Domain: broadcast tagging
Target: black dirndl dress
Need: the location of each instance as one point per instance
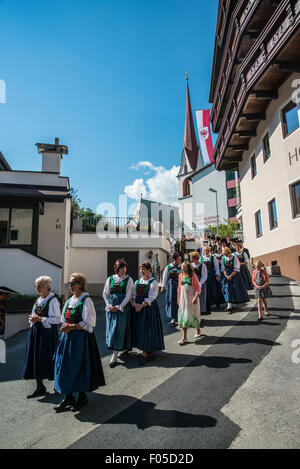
(234, 290)
(40, 347)
(244, 271)
(171, 293)
(147, 326)
(204, 305)
(214, 290)
(78, 365)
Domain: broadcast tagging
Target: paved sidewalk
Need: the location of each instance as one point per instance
(267, 406)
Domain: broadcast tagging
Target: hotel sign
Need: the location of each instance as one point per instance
(294, 158)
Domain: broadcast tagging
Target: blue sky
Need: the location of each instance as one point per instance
(108, 78)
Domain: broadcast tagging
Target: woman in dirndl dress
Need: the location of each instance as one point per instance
(244, 260)
(201, 272)
(234, 289)
(170, 286)
(148, 331)
(78, 367)
(218, 255)
(189, 290)
(117, 294)
(262, 290)
(42, 337)
(213, 285)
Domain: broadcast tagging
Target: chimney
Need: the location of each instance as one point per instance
(52, 156)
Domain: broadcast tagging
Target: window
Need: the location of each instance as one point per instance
(295, 199)
(4, 223)
(172, 223)
(160, 215)
(266, 148)
(16, 226)
(232, 211)
(230, 175)
(273, 214)
(290, 118)
(258, 224)
(21, 222)
(253, 167)
(232, 193)
(186, 188)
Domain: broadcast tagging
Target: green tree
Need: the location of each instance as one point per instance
(225, 229)
(75, 201)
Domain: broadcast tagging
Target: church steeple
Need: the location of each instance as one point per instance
(190, 140)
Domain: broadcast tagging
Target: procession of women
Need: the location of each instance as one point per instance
(61, 344)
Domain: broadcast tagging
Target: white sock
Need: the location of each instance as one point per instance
(229, 306)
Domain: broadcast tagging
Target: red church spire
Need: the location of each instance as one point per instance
(190, 139)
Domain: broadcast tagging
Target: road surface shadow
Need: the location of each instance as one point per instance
(142, 414)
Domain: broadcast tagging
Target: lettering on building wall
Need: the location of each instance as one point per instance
(294, 158)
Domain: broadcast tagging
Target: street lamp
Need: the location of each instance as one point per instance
(216, 192)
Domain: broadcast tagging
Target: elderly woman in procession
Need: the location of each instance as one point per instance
(42, 337)
(78, 367)
(117, 294)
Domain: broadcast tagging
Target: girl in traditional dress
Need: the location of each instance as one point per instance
(189, 290)
(42, 337)
(148, 332)
(170, 285)
(117, 294)
(201, 272)
(78, 367)
(218, 255)
(262, 290)
(233, 286)
(244, 260)
(213, 285)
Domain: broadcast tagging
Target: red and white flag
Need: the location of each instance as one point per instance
(205, 139)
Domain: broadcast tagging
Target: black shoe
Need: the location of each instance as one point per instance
(79, 404)
(143, 361)
(172, 324)
(37, 393)
(67, 403)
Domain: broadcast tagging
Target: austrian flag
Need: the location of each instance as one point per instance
(205, 136)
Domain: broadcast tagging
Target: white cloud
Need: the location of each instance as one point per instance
(135, 190)
(162, 187)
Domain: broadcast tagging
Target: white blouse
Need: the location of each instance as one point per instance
(88, 312)
(236, 264)
(246, 258)
(153, 290)
(166, 274)
(216, 264)
(53, 312)
(203, 273)
(118, 280)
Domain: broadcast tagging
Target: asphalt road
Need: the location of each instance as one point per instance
(174, 402)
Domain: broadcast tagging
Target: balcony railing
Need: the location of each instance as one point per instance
(120, 225)
(276, 33)
(241, 17)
